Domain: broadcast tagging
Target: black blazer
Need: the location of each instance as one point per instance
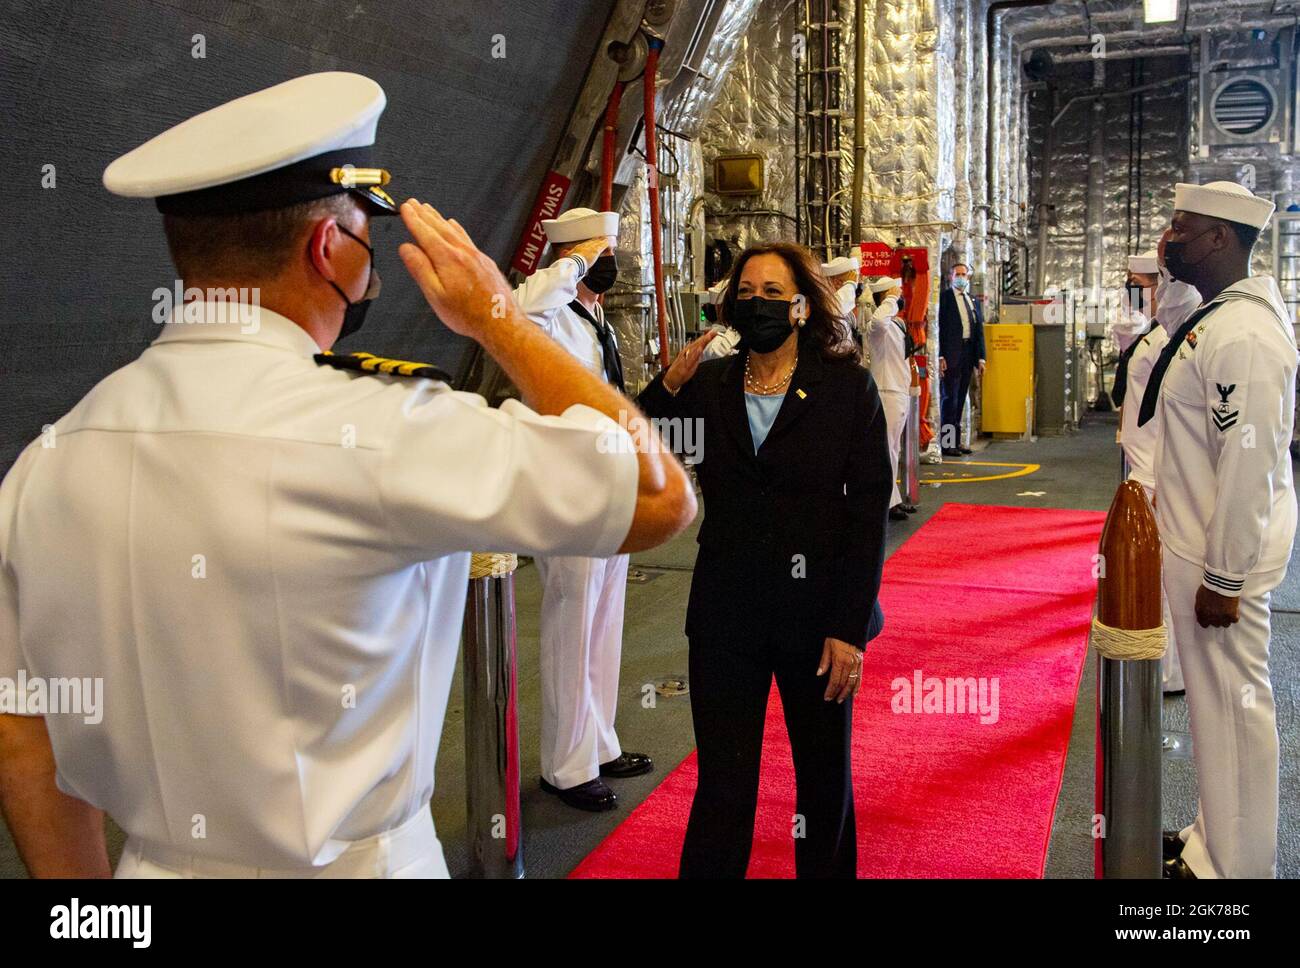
(950, 347)
(793, 537)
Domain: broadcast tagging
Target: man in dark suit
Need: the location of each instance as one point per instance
(961, 353)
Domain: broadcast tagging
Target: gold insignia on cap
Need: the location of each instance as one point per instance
(350, 177)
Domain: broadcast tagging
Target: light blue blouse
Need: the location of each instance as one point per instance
(762, 410)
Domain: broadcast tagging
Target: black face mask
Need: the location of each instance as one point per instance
(763, 324)
(355, 314)
(1176, 258)
(602, 274)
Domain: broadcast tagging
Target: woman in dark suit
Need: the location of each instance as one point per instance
(796, 478)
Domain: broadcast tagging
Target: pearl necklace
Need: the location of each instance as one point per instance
(752, 384)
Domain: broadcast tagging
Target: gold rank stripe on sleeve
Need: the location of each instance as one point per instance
(369, 363)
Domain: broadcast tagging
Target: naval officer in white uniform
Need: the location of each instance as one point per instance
(1224, 387)
(1169, 302)
(886, 338)
(262, 551)
(582, 596)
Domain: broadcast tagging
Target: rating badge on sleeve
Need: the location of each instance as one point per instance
(1223, 414)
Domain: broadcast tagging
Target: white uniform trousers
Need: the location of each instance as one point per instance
(1171, 672)
(581, 647)
(1234, 727)
(1171, 669)
(895, 404)
(409, 851)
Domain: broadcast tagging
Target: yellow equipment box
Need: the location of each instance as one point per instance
(1008, 378)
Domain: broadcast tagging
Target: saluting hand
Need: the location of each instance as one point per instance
(845, 664)
(593, 249)
(461, 284)
(687, 362)
(1215, 610)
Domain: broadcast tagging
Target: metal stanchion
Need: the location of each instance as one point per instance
(1128, 708)
(909, 460)
(1128, 689)
(492, 827)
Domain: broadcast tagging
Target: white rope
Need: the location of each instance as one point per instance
(1128, 644)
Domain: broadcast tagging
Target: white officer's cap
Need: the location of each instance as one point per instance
(884, 283)
(579, 225)
(1226, 200)
(305, 139)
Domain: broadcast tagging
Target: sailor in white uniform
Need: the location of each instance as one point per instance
(886, 340)
(1224, 387)
(843, 274)
(727, 339)
(1169, 302)
(262, 550)
(582, 596)
(1136, 314)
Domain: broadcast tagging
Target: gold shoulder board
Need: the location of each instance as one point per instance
(369, 363)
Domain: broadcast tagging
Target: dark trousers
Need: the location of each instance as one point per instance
(730, 682)
(954, 385)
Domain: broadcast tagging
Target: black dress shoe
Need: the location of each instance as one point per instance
(1176, 869)
(1171, 845)
(593, 795)
(950, 452)
(965, 450)
(628, 764)
(909, 508)
(896, 513)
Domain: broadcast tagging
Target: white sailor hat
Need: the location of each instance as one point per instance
(837, 267)
(1145, 263)
(580, 224)
(305, 139)
(1226, 200)
(883, 283)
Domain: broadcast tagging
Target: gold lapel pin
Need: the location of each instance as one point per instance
(802, 395)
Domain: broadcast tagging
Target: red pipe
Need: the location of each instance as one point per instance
(652, 179)
(607, 147)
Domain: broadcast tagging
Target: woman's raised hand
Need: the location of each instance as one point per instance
(687, 362)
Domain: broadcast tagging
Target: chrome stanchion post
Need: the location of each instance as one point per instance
(492, 828)
(1128, 701)
(1129, 638)
(909, 461)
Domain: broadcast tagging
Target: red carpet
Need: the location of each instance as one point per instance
(978, 592)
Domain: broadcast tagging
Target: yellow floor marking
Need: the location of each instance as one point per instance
(1023, 471)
